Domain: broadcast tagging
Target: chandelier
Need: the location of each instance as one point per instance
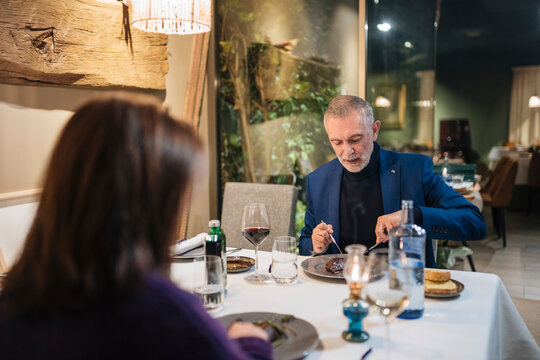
(172, 16)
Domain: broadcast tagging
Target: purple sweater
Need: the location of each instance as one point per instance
(158, 322)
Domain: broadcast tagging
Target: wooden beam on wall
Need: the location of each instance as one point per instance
(195, 85)
(193, 99)
(80, 43)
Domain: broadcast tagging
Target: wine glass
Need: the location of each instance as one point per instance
(387, 293)
(255, 228)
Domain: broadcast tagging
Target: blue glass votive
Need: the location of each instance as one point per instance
(355, 310)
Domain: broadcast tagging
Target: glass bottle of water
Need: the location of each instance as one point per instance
(445, 173)
(407, 252)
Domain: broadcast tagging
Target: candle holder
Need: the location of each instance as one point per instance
(355, 310)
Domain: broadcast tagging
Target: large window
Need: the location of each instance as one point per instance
(400, 77)
(280, 63)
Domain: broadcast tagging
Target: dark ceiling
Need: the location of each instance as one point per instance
(470, 33)
(498, 32)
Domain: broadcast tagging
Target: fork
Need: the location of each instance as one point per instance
(333, 240)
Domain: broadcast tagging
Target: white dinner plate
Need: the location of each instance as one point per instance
(316, 265)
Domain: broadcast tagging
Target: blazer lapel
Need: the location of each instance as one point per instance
(390, 182)
(334, 190)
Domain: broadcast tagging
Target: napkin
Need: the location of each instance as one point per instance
(186, 245)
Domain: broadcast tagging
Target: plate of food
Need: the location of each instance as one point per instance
(327, 266)
(236, 264)
(439, 284)
(291, 337)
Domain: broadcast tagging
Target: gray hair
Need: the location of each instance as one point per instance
(341, 105)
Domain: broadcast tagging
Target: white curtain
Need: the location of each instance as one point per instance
(525, 121)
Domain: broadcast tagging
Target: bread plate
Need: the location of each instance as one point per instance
(460, 288)
(237, 264)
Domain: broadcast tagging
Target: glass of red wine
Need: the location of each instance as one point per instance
(255, 228)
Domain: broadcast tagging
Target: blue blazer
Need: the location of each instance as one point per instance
(404, 176)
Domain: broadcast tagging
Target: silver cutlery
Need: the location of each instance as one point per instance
(232, 251)
(334, 240)
(371, 248)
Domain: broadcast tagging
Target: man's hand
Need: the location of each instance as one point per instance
(385, 223)
(320, 237)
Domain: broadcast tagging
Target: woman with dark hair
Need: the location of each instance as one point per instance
(92, 280)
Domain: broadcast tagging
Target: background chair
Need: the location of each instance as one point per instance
(533, 178)
(498, 194)
(280, 203)
(496, 174)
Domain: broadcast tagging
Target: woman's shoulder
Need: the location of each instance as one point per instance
(162, 294)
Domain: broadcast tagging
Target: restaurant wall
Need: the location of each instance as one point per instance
(480, 95)
(31, 118)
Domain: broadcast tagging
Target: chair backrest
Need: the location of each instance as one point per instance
(280, 203)
(503, 185)
(533, 177)
(287, 179)
(496, 174)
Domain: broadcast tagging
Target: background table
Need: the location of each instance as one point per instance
(482, 323)
(522, 156)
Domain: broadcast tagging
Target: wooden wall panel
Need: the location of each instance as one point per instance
(78, 42)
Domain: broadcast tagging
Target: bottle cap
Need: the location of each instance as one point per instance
(214, 223)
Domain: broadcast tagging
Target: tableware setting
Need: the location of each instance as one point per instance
(209, 281)
(389, 287)
(238, 264)
(439, 284)
(355, 308)
(284, 269)
(189, 248)
(292, 338)
(316, 266)
(255, 228)
(437, 295)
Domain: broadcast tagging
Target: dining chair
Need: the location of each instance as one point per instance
(533, 179)
(497, 172)
(499, 195)
(288, 179)
(280, 203)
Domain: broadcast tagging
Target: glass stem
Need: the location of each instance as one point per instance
(387, 338)
(256, 259)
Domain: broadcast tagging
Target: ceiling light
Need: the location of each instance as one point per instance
(384, 27)
(382, 102)
(408, 44)
(534, 101)
(172, 16)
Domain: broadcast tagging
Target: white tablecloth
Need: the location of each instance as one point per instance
(482, 323)
(523, 157)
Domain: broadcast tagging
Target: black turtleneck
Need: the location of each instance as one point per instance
(360, 203)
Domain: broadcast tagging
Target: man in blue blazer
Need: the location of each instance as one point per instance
(357, 197)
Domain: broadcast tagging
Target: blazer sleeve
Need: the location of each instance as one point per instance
(447, 215)
(305, 245)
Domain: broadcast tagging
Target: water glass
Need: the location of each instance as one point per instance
(457, 179)
(284, 268)
(209, 281)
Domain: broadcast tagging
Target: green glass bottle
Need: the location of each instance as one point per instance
(216, 243)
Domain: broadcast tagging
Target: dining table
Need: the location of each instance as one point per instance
(480, 323)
